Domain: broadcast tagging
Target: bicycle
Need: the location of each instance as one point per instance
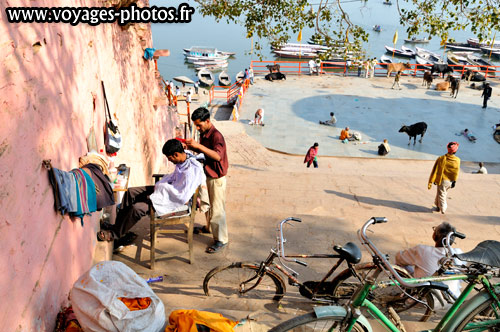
(479, 313)
(261, 280)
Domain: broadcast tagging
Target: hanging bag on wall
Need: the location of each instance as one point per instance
(112, 136)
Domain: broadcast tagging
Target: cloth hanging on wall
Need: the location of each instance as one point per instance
(104, 192)
(86, 194)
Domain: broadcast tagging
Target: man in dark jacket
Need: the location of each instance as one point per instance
(486, 94)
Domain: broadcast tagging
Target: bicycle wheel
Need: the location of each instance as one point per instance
(241, 280)
(346, 283)
(309, 322)
(484, 312)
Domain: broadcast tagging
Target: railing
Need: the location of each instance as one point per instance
(233, 94)
(329, 67)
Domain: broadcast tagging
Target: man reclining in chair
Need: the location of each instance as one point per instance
(168, 195)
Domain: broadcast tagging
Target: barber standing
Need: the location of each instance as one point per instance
(213, 146)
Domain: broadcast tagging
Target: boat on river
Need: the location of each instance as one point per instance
(425, 57)
(462, 47)
(240, 76)
(403, 52)
(474, 42)
(377, 28)
(460, 61)
(387, 2)
(224, 79)
(416, 41)
(203, 51)
(296, 54)
(482, 63)
(384, 60)
(206, 77)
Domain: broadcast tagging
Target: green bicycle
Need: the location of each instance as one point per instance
(479, 313)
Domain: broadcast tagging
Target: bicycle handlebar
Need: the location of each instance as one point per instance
(281, 242)
(374, 250)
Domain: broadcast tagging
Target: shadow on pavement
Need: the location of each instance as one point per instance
(381, 202)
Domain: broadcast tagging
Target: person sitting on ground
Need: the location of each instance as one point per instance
(259, 117)
(168, 196)
(345, 134)
(423, 260)
(482, 169)
(330, 122)
(312, 67)
(384, 148)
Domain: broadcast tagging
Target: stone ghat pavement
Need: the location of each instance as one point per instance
(293, 109)
(333, 201)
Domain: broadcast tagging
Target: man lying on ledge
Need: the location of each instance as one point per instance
(169, 195)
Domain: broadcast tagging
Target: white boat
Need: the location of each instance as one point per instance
(239, 76)
(296, 55)
(424, 57)
(488, 49)
(482, 63)
(209, 62)
(460, 62)
(298, 46)
(404, 51)
(384, 60)
(224, 79)
(205, 51)
(206, 77)
(211, 67)
(193, 59)
(416, 41)
(461, 47)
(474, 42)
(387, 2)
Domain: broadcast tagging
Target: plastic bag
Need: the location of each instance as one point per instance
(95, 299)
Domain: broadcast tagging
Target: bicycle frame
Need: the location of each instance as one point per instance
(359, 299)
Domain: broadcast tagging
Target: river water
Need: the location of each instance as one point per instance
(204, 31)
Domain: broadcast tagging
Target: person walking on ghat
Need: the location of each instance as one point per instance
(312, 156)
(396, 80)
(213, 146)
(444, 175)
(486, 94)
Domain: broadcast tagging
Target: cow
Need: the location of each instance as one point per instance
(473, 76)
(427, 79)
(441, 69)
(274, 67)
(415, 129)
(443, 86)
(395, 67)
(454, 84)
(275, 76)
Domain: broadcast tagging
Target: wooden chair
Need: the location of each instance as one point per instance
(156, 222)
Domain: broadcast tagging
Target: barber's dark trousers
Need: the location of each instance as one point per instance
(134, 206)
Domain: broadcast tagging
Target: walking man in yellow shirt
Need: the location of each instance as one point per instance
(444, 175)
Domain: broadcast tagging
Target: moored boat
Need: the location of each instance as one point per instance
(297, 46)
(488, 49)
(482, 63)
(474, 42)
(296, 55)
(384, 60)
(193, 59)
(461, 47)
(224, 79)
(459, 61)
(240, 76)
(416, 41)
(403, 52)
(206, 77)
(427, 57)
(205, 51)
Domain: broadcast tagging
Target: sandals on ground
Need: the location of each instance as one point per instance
(217, 246)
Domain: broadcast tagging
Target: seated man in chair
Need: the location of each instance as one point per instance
(168, 195)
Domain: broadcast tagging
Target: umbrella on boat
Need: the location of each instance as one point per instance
(183, 79)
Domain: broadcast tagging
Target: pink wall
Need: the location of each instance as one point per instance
(46, 111)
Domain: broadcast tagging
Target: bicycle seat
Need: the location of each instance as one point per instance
(486, 253)
(350, 252)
